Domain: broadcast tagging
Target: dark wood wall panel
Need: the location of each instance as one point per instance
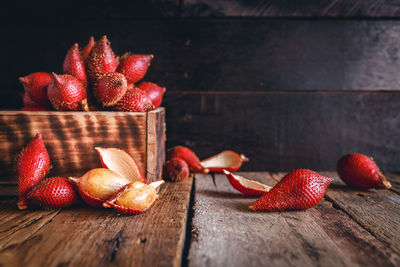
(282, 131)
(222, 55)
(290, 8)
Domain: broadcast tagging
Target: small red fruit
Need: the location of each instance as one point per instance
(177, 169)
(154, 91)
(35, 108)
(28, 102)
(74, 64)
(189, 156)
(53, 193)
(134, 100)
(101, 60)
(35, 85)
(86, 50)
(361, 171)
(228, 160)
(246, 186)
(67, 93)
(134, 67)
(32, 165)
(110, 88)
(299, 189)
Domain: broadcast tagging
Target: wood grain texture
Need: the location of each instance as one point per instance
(221, 55)
(376, 210)
(395, 181)
(70, 138)
(287, 8)
(283, 131)
(45, 11)
(322, 236)
(156, 138)
(89, 237)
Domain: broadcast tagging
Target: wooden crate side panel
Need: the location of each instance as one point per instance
(70, 138)
(155, 144)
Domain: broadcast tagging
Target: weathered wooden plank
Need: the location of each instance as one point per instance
(282, 131)
(45, 11)
(279, 8)
(156, 137)
(226, 233)
(70, 138)
(100, 237)
(18, 226)
(378, 211)
(221, 55)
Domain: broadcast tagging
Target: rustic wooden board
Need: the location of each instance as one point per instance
(281, 131)
(376, 210)
(156, 138)
(279, 8)
(45, 10)
(89, 237)
(70, 138)
(226, 233)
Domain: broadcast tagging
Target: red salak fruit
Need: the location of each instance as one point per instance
(35, 108)
(28, 102)
(134, 67)
(154, 91)
(187, 155)
(299, 189)
(32, 165)
(361, 171)
(74, 64)
(177, 169)
(53, 193)
(110, 88)
(86, 50)
(67, 93)
(101, 60)
(35, 85)
(134, 100)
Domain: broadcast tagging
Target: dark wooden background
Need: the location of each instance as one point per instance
(289, 83)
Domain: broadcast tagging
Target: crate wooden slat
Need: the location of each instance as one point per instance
(70, 138)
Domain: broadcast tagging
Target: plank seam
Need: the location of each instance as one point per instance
(189, 227)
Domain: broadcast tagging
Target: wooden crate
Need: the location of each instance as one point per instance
(70, 139)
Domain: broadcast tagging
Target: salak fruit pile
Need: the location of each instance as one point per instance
(93, 79)
(119, 184)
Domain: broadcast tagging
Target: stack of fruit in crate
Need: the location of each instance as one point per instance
(94, 79)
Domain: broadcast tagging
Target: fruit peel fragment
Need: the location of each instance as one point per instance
(228, 160)
(246, 186)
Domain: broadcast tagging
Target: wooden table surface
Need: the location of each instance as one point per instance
(205, 222)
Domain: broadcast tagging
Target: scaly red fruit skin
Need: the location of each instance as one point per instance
(361, 171)
(101, 60)
(28, 102)
(74, 64)
(35, 85)
(86, 50)
(32, 165)
(35, 108)
(244, 190)
(134, 100)
(187, 155)
(66, 93)
(134, 67)
(53, 193)
(154, 92)
(299, 189)
(177, 169)
(110, 88)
